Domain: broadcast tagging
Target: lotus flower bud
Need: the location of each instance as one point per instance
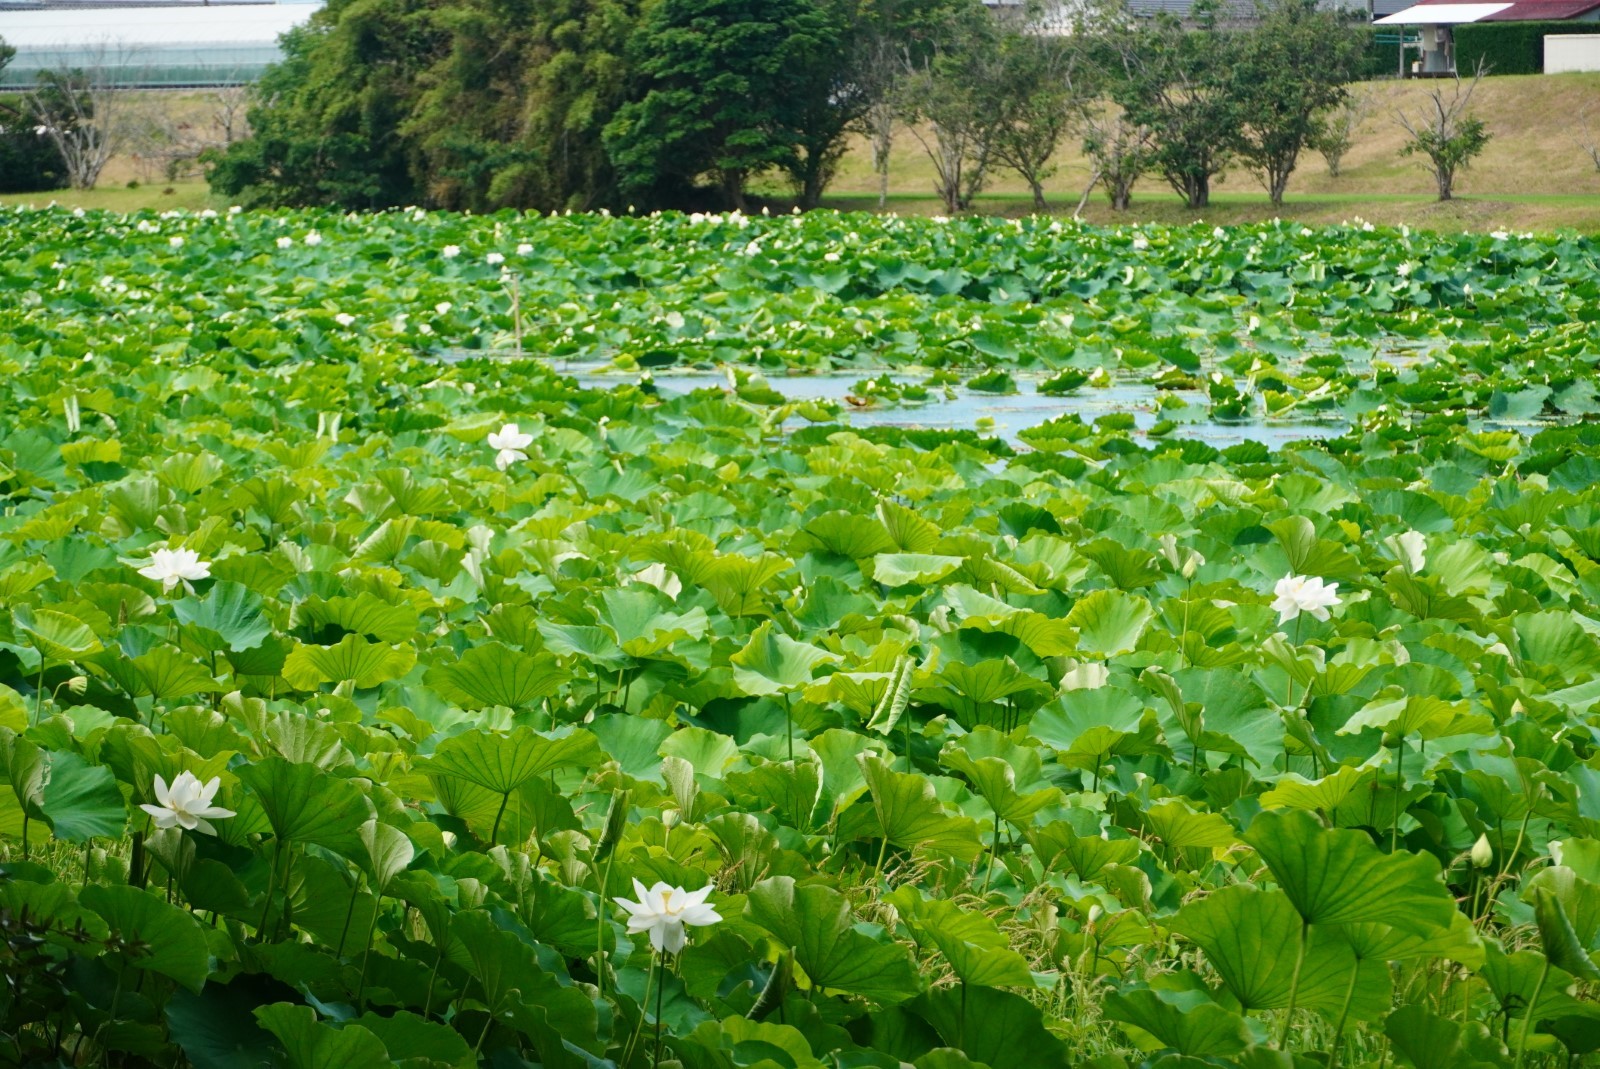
(672, 818)
(1482, 853)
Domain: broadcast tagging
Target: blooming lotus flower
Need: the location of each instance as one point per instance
(1307, 594)
(286, 243)
(344, 319)
(451, 251)
(186, 804)
(175, 241)
(663, 911)
(509, 443)
(169, 567)
(313, 238)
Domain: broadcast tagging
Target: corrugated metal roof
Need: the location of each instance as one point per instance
(1544, 10)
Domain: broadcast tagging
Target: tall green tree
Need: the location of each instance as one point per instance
(1040, 89)
(1292, 66)
(1177, 83)
(716, 94)
(328, 128)
(512, 114)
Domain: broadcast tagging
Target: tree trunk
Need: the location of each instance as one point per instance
(733, 189)
(1447, 180)
(1121, 196)
(1039, 204)
(1277, 181)
(1197, 189)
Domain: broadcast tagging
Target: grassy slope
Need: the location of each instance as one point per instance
(1533, 176)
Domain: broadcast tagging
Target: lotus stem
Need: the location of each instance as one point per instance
(1294, 983)
(994, 849)
(1533, 1010)
(1399, 788)
(366, 958)
(1344, 1013)
(494, 833)
(661, 988)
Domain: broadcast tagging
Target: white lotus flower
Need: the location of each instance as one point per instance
(1307, 594)
(663, 911)
(344, 319)
(443, 308)
(175, 241)
(186, 804)
(524, 249)
(509, 442)
(313, 238)
(452, 251)
(286, 242)
(169, 567)
(494, 258)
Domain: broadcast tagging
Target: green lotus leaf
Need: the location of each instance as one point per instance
(906, 569)
(1337, 876)
(1250, 936)
(58, 636)
(1561, 943)
(158, 937)
(304, 804)
(816, 923)
(230, 616)
(974, 948)
(990, 1026)
(1109, 622)
(502, 763)
(493, 674)
(774, 663)
(1188, 1022)
(314, 1044)
(908, 814)
(352, 659)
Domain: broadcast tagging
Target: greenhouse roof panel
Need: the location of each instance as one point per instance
(134, 28)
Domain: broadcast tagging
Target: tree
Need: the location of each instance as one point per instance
(949, 104)
(1178, 84)
(84, 110)
(1446, 134)
(513, 113)
(1119, 150)
(29, 161)
(1040, 82)
(1290, 67)
(1334, 129)
(328, 118)
(715, 93)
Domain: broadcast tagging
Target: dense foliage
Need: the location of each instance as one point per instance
(1507, 47)
(29, 161)
(586, 104)
(337, 717)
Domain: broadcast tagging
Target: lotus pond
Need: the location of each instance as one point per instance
(714, 717)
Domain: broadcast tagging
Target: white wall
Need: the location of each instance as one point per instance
(1579, 52)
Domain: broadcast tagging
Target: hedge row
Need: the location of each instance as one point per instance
(1509, 47)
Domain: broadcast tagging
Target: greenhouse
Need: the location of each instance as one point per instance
(157, 47)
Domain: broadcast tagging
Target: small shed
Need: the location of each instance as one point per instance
(1438, 19)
